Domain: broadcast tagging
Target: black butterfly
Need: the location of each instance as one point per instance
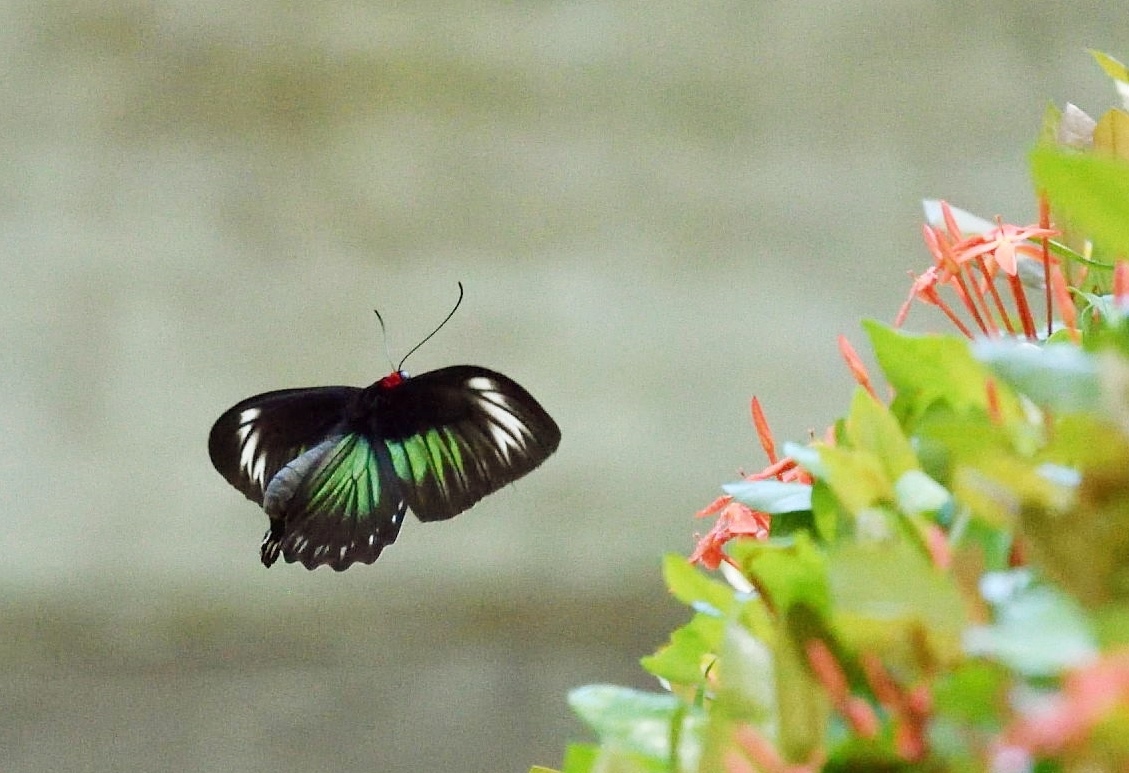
(335, 467)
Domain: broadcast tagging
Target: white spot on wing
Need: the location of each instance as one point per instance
(250, 460)
(482, 384)
(257, 470)
(506, 429)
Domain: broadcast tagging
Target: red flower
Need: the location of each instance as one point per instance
(735, 520)
(969, 265)
(1002, 243)
(1089, 695)
(1121, 283)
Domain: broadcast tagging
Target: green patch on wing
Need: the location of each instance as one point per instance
(347, 480)
(419, 457)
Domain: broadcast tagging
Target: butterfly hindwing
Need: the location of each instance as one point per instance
(336, 504)
(456, 434)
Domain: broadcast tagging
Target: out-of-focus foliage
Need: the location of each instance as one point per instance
(944, 584)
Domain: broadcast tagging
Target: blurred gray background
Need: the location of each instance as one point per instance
(658, 209)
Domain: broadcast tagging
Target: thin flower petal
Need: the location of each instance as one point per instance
(1121, 283)
(1061, 294)
(855, 365)
(714, 507)
(950, 220)
(763, 431)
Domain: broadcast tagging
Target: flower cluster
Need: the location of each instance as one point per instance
(969, 266)
(937, 582)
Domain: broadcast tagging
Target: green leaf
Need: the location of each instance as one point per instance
(589, 758)
(806, 456)
(916, 494)
(1077, 528)
(1058, 376)
(974, 692)
(693, 587)
(946, 439)
(887, 595)
(615, 760)
(989, 496)
(871, 427)
(786, 572)
(968, 702)
(1111, 135)
(640, 723)
(539, 769)
(1111, 66)
(985, 547)
(1038, 630)
(925, 369)
(692, 648)
(747, 684)
(580, 758)
(1111, 625)
(1081, 441)
(787, 524)
(771, 496)
(826, 511)
(1113, 376)
(1090, 191)
(1049, 128)
(802, 701)
(857, 478)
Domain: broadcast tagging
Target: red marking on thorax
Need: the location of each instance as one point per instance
(392, 380)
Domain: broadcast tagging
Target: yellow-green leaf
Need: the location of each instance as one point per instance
(1090, 191)
(871, 427)
(1111, 135)
(1112, 67)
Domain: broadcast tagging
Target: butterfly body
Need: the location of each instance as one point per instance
(335, 468)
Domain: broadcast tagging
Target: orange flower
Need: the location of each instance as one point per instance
(735, 520)
(1089, 694)
(969, 265)
(760, 756)
(924, 289)
(1121, 283)
(1002, 243)
(856, 366)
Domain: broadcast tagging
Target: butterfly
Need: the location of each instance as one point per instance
(335, 468)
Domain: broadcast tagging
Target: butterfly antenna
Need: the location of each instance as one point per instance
(384, 337)
(446, 319)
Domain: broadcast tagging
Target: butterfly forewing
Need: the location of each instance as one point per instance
(457, 434)
(259, 436)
